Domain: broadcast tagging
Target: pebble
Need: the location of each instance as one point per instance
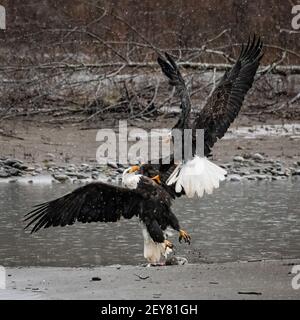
(82, 176)
(234, 177)
(245, 173)
(112, 165)
(275, 178)
(19, 166)
(261, 177)
(4, 173)
(96, 279)
(11, 162)
(61, 177)
(238, 159)
(258, 157)
(71, 174)
(84, 167)
(249, 166)
(49, 156)
(95, 176)
(247, 156)
(294, 138)
(296, 172)
(14, 172)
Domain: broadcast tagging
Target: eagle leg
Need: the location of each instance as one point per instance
(183, 235)
(168, 244)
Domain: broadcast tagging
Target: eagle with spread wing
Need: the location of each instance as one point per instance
(199, 175)
(147, 191)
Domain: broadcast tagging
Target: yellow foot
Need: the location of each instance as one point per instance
(168, 244)
(185, 236)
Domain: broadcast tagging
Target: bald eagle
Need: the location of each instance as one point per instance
(147, 191)
(199, 175)
(100, 202)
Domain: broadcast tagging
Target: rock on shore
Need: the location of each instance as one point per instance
(247, 167)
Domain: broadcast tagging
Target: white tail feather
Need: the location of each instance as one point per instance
(197, 176)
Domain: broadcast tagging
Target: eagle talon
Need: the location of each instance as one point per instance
(183, 235)
(168, 244)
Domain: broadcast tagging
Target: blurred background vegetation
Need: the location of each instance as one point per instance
(74, 61)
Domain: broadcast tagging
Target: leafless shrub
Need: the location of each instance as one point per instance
(80, 71)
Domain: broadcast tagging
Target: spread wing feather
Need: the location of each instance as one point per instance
(91, 203)
(224, 104)
(171, 71)
(221, 108)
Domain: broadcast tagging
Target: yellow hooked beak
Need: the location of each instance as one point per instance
(134, 169)
(156, 179)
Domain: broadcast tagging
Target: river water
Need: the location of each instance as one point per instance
(239, 221)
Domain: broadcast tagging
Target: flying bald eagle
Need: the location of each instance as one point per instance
(199, 175)
(147, 190)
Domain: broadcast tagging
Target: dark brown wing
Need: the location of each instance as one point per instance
(91, 203)
(226, 100)
(171, 71)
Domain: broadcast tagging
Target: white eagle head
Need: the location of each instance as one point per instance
(130, 179)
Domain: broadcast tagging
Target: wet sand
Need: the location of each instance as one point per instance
(237, 280)
(69, 144)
